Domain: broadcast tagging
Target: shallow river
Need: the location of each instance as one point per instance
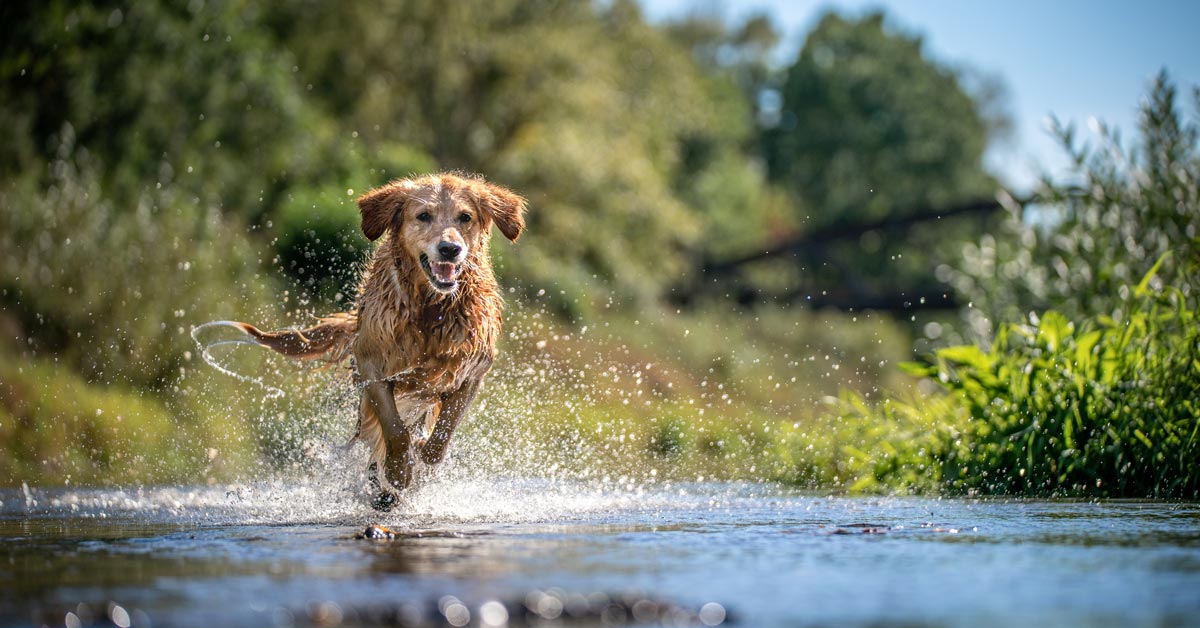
(533, 553)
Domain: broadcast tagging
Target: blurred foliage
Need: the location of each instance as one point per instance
(634, 143)
(162, 94)
(1090, 241)
(168, 164)
(735, 401)
(870, 126)
(742, 49)
(54, 425)
(593, 114)
(725, 181)
(96, 302)
(113, 290)
(58, 428)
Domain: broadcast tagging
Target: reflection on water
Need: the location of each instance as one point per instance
(285, 554)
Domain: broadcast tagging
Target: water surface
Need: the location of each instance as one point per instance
(284, 554)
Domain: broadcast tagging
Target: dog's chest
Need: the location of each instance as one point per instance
(428, 349)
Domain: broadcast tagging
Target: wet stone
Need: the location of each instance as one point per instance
(374, 532)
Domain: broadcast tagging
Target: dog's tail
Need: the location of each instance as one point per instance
(329, 340)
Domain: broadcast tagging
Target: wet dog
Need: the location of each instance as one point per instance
(422, 335)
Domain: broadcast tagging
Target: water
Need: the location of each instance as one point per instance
(284, 554)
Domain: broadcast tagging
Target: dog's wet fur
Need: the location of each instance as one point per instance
(423, 332)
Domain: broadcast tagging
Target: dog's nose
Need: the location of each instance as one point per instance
(449, 250)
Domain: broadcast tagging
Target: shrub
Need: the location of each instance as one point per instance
(1095, 236)
(1109, 407)
(111, 288)
(57, 428)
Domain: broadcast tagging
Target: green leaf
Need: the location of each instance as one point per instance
(1053, 328)
(920, 369)
(1083, 350)
(968, 355)
(1143, 285)
(1087, 342)
(1069, 431)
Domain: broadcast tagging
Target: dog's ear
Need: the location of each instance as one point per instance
(379, 206)
(505, 207)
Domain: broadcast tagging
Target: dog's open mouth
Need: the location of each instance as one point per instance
(443, 275)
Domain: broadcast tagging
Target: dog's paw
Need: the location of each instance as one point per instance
(385, 501)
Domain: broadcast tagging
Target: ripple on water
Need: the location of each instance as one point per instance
(770, 555)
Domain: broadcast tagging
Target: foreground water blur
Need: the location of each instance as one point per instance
(501, 551)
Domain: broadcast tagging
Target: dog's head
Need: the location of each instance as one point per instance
(441, 223)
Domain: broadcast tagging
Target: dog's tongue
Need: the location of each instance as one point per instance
(443, 271)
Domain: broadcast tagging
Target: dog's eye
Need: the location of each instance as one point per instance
(464, 217)
(424, 217)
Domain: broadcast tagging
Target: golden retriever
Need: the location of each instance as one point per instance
(423, 332)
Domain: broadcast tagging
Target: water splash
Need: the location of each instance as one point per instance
(544, 442)
(339, 499)
(243, 339)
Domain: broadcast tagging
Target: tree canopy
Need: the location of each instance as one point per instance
(869, 124)
(872, 142)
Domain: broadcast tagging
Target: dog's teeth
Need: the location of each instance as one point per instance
(443, 271)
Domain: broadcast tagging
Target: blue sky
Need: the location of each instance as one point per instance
(1076, 59)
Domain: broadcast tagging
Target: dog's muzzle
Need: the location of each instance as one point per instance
(442, 274)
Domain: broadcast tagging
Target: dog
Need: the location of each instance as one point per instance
(422, 333)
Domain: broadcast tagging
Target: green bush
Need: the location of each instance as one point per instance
(57, 428)
(1100, 394)
(1108, 407)
(113, 289)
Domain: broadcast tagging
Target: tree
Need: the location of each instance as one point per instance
(190, 97)
(869, 124)
(871, 128)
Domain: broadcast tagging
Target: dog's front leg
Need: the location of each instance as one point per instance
(398, 463)
(454, 408)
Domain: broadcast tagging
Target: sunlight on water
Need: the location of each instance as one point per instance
(334, 501)
(338, 496)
